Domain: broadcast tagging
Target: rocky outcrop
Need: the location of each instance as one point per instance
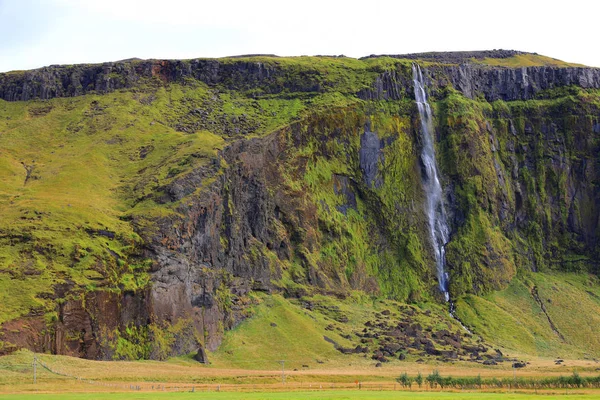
(370, 156)
(389, 85)
(75, 80)
(497, 83)
(83, 327)
(493, 83)
(473, 80)
(272, 77)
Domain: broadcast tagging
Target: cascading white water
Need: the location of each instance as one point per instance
(434, 205)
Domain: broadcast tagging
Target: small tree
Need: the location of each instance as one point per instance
(446, 382)
(478, 381)
(434, 378)
(404, 380)
(419, 380)
(576, 380)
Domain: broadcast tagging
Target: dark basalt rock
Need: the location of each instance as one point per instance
(201, 356)
(493, 83)
(342, 185)
(390, 85)
(75, 80)
(508, 84)
(392, 348)
(370, 155)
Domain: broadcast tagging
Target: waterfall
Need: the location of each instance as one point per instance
(434, 205)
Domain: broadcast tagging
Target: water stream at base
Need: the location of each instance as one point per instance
(434, 205)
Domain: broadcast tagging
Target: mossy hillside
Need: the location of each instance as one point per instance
(323, 158)
(508, 165)
(514, 319)
(93, 163)
(556, 135)
(511, 320)
(378, 231)
(294, 330)
(98, 162)
(278, 330)
(479, 255)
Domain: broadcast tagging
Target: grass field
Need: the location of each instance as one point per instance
(321, 395)
(145, 379)
(247, 361)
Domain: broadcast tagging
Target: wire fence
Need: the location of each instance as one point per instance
(88, 381)
(43, 372)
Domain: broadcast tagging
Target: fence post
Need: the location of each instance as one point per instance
(34, 368)
(282, 371)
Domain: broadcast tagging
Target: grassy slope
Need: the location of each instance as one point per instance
(89, 172)
(514, 320)
(526, 60)
(84, 152)
(510, 319)
(298, 336)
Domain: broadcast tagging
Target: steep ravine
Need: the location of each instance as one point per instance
(536, 296)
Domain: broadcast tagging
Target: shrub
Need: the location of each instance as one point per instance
(404, 380)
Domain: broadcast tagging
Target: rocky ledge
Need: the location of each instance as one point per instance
(452, 69)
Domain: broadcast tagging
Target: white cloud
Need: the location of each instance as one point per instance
(103, 30)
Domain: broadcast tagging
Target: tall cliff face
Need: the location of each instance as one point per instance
(67, 81)
(273, 76)
(523, 175)
(492, 83)
(218, 178)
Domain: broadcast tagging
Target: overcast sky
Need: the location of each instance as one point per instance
(35, 33)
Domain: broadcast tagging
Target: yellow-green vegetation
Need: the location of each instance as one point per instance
(514, 319)
(278, 330)
(295, 330)
(72, 170)
(511, 319)
(501, 161)
(351, 211)
(75, 170)
(525, 60)
(481, 255)
(317, 394)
